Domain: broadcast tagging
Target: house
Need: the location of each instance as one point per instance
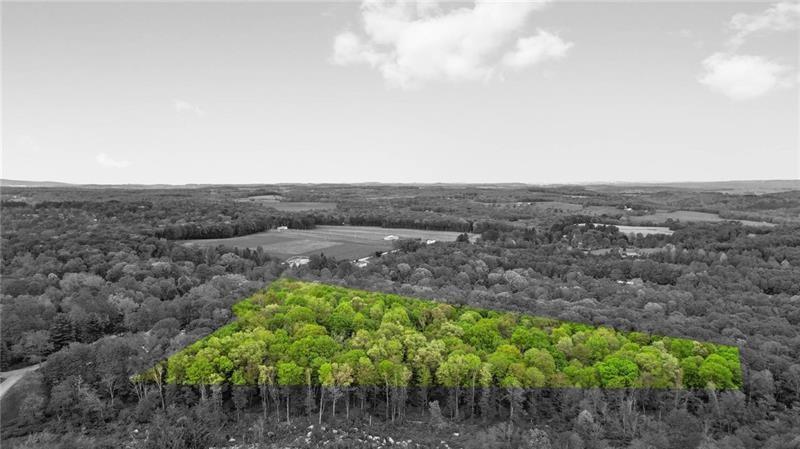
(628, 252)
(297, 261)
(362, 262)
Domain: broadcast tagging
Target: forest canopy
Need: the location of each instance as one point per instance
(302, 333)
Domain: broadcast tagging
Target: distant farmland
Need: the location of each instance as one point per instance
(644, 230)
(277, 202)
(690, 216)
(341, 242)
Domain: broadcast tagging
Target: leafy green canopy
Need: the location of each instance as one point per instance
(302, 333)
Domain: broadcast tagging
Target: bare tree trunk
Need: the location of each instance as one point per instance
(158, 377)
(333, 411)
(110, 388)
(138, 388)
(387, 400)
(161, 393)
(264, 401)
(321, 404)
(456, 411)
(510, 410)
(472, 400)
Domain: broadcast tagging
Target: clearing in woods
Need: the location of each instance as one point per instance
(341, 242)
(690, 216)
(277, 202)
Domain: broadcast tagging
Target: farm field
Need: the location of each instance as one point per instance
(341, 242)
(689, 216)
(644, 230)
(295, 206)
(276, 202)
(572, 207)
(555, 206)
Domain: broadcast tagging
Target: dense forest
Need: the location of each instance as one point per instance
(353, 343)
(352, 337)
(98, 285)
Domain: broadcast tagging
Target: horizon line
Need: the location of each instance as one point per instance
(5, 181)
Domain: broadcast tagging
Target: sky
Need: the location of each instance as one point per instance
(379, 91)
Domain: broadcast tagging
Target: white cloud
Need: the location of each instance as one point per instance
(107, 161)
(784, 16)
(743, 77)
(411, 43)
(182, 106)
(534, 49)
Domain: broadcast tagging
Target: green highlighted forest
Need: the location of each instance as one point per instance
(299, 333)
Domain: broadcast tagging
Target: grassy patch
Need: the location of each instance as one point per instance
(341, 242)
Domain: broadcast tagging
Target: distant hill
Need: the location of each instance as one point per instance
(18, 183)
(738, 187)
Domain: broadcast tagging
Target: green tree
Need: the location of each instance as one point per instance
(529, 337)
(542, 360)
(714, 372)
(512, 385)
(457, 371)
(336, 378)
(502, 359)
(341, 320)
(690, 368)
(483, 335)
(266, 384)
(616, 372)
(289, 375)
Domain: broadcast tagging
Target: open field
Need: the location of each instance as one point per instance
(757, 187)
(554, 206)
(644, 230)
(572, 207)
(341, 242)
(294, 206)
(261, 199)
(689, 216)
(277, 202)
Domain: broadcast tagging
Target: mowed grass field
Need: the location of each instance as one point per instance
(341, 242)
(689, 216)
(276, 202)
(644, 230)
(295, 206)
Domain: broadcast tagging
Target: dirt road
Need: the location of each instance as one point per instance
(11, 377)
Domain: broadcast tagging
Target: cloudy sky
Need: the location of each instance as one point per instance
(399, 92)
